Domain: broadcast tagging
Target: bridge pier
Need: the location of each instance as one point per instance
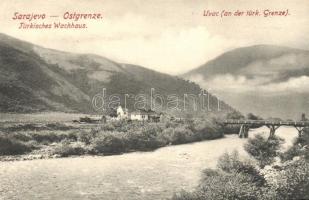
(243, 132)
(300, 130)
(272, 130)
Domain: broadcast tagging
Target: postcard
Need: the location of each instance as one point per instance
(151, 100)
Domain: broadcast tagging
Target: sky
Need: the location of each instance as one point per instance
(170, 36)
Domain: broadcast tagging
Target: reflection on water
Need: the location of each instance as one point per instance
(141, 175)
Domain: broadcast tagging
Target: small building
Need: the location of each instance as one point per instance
(145, 115)
(122, 113)
(138, 115)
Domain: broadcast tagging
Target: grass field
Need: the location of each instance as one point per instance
(39, 117)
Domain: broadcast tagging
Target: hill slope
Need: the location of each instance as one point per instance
(33, 78)
(264, 79)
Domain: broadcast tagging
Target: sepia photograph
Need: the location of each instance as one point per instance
(154, 100)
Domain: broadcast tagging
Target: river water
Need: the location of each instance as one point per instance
(139, 175)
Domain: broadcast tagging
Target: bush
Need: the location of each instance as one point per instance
(22, 127)
(181, 135)
(9, 146)
(109, 143)
(178, 135)
(232, 164)
(229, 163)
(300, 148)
(263, 150)
(207, 130)
(86, 137)
(293, 181)
(235, 115)
(66, 148)
(218, 185)
(46, 137)
(293, 151)
(24, 137)
(146, 139)
(58, 126)
(235, 179)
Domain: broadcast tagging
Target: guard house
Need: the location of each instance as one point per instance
(138, 115)
(122, 113)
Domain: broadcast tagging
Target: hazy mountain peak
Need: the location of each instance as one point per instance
(259, 79)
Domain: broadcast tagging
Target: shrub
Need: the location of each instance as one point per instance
(251, 116)
(231, 163)
(45, 137)
(144, 139)
(171, 124)
(108, 142)
(220, 185)
(293, 181)
(20, 136)
(66, 148)
(181, 135)
(178, 135)
(293, 151)
(166, 135)
(108, 127)
(235, 115)
(59, 126)
(299, 148)
(207, 130)
(183, 195)
(10, 146)
(86, 137)
(263, 150)
(22, 127)
(70, 135)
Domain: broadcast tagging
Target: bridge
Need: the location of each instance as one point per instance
(245, 125)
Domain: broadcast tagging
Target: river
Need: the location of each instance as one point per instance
(139, 175)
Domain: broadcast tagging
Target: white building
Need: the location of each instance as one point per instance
(138, 115)
(122, 113)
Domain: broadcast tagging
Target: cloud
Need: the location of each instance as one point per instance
(230, 84)
(276, 66)
(298, 85)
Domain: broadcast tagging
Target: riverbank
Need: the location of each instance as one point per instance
(27, 141)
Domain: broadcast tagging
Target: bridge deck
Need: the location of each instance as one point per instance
(266, 122)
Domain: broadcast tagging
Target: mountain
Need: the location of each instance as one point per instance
(271, 81)
(34, 79)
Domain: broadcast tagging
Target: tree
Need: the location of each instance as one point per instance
(263, 150)
(235, 115)
(251, 116)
